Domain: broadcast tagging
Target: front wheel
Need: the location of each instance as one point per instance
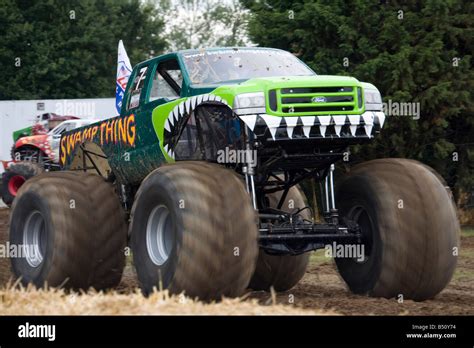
(409, 228)
(193, 230)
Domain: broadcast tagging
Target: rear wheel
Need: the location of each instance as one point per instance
(409, 228)
(193, 229)
(282, 272)
(15, 177)
(71, 230)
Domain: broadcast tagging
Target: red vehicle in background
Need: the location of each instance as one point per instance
(43, 124)
(31, 155)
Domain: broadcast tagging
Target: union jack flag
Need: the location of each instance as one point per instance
(124, 69)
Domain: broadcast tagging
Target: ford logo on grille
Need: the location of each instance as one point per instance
(319, 100)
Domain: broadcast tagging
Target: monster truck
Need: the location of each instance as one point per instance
(43, 124)
(45, 147)
(32, 155)
(201, 175)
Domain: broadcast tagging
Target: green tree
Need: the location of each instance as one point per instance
(417, 51)
(68, 49)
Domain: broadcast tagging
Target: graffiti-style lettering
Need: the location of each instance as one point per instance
(117, 131)
(131, 130)
(109, 132)
(63, 150)
(122, 129)
(70, 143)
(94, 131)
(87, 133)
(102, 127)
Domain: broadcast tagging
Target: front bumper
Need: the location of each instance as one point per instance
(271, 127)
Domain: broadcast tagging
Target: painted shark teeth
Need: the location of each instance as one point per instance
(339, 121)
(187, 105)
(249, 120)
(354, 120)
(308, 122)
(368, 120)
(273, 122)
(380, 117)
(173, 117)
(324, 122)
(181, 110)
(291, 123)
(169, 152)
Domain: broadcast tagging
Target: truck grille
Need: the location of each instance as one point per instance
(315, 100)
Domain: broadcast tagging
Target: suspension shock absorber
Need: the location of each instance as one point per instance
(249, 171)
(330, 210)
(334, 214)
(326, 195)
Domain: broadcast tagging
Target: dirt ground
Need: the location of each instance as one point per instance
(321, 291)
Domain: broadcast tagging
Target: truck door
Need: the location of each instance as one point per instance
(127, 161)
(156, 83)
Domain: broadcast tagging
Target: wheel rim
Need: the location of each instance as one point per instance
(159, 235)
(34, 239)
(360, 215)
(15, 183)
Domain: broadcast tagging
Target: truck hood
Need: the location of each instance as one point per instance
(300, 81)
(291, 81)
(266, 83)
(34, 140)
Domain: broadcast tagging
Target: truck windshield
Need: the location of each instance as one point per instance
(216, 66)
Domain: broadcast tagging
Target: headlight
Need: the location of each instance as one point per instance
(373, 100)
(249, 103)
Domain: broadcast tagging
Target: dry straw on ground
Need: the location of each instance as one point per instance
(21, 301)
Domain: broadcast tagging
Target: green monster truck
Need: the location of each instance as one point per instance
(200, 174)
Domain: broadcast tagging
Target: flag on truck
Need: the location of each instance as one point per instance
(124, 69)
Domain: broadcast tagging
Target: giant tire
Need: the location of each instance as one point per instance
(209, 225)
(84, 235)
(282, 272)
(15, 176)
(409, 226)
